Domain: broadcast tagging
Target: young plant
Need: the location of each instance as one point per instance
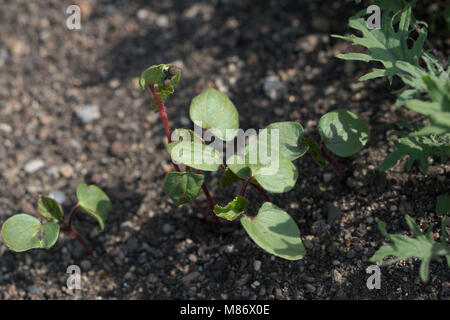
(23, 232)
(341, 132)
(399, 45)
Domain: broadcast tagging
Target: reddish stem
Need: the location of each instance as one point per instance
(261, 191)
(163, 113)
(332, 162)
(245, 184)
(68, 229)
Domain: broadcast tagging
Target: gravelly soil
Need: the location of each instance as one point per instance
(150, 248)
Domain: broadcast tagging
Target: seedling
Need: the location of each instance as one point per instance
(23, 232)
(341, 132)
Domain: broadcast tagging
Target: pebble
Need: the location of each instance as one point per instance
(142, 258)
(255, 284)
(321, 226)
(274, 89)
(167, 228)
(162, 21)
(85, 265)
(190, 277)
(229, 248)
(307, 43)
(142, 14)
(192, 257)
(58, 195)
(332, 214)
(327, 177)
(88, 113)
(369, 220)
(394, 208)
(257, 265)
(33, 166)
(6, 128)
(310, 288)
(66, 170)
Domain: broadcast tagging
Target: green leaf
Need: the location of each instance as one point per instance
(314, 151)
(95, 202)
(163, 92)
(386, 45)
(233, 209)
(238, 166)
(343, 132)
(50, 209)
(290, 136)
(417, 148)
(215, 112)
(404, 248)
(278, 176)
(195, 155)
(275, 232)
(182, 187)
(23, 232)
(443, 205)
(228, 178)
(158, 74)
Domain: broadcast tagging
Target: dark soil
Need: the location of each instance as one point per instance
(152, 249)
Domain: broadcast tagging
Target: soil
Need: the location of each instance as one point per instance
(150, 248)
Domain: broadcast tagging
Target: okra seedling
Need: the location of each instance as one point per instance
(266, 163)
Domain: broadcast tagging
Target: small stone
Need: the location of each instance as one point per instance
(58, 195)
(85, 265)
(279, 111)
(229, 248)
(162, 21)
(118, 149)
(142, 14)
(320, 226)
(142, 258)
(190, 277)
(255, 284)
(337, 277)
(310, 288)
(6, 128)
(336, 262)
(114, 83)
(192, 258)
(274, 89)
(394, 208)
(307, 43)
(167, 228)
(257, 265)
(308, 244)
(33, 166)
(332, 214)
(88, 113)
(327, 177)
(369, 220)
(66, 170)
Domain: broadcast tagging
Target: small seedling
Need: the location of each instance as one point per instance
(341, 132)
(23, 232)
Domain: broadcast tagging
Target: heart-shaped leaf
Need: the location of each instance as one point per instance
(278, 176)
(50, 209)
(195, 155)
(288, 139)
(275, 232)
(233, 209)
(343, 132)
(182, 187)
(95, 202)
(238, 166)
(214, 111)
(23, 232)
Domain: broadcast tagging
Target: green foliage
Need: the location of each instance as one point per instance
(182, 187)
(50, 209)
(95, 202)
(233, 209)
(214, 111)
(422, 247)
(275, 232)
(343, 132)
(418, 149)
(386, 45)
(443, 205)
(195, 155)
(266, 163)
(23, 232)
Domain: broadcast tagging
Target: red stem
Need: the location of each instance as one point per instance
(245, 184)
(163, 113)
(68, 229)
(332, 162)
